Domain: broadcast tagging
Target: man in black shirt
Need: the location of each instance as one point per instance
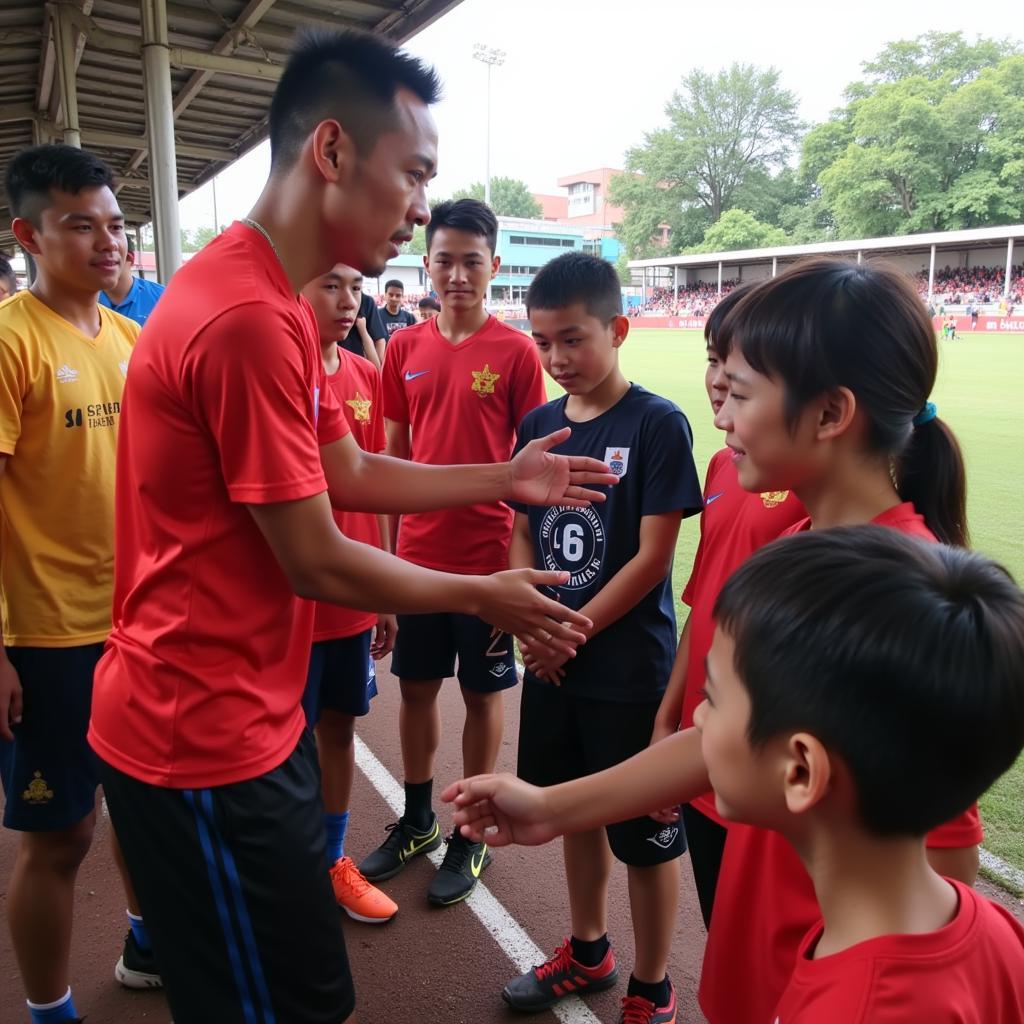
(392, 314)
(367, 339)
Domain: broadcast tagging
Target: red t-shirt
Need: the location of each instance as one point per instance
(969, 972)
(225, 405)
(356, 388)
(463, 403)
(733, 525)
(765, 901)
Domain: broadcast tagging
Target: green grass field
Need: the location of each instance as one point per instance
(979, 394)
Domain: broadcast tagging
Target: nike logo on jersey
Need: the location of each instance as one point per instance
(67, 375)
(409, 375)
(476, 862)
(713, 497)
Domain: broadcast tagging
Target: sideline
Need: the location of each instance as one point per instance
(506, 931)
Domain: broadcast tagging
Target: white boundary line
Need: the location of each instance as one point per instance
(1004, 872)
(505, 930)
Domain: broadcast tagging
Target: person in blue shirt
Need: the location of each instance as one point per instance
(132, 296)
(584, 714)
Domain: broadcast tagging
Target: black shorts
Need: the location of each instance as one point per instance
(50, 772)
(706, 839)
(428, 645)
(563, 737)
(341, 677)
(233, 884)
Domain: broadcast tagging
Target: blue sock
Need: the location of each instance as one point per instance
(138, 927)
(336, 826)
(49, 1013)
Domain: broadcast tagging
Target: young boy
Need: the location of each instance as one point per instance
(584, 714)
(455, 389)
(393, 316)
(734, 524)
(346, 642)
(815, 725)
(428, 308)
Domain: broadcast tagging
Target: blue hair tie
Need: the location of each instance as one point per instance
(926, 415)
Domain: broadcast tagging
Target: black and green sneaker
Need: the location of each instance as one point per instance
(459, 872)
(403, 843)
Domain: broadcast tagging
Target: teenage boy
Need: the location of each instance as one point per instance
(823, 722)
(63, 360)
(581, 715)
(346, 641)
(734, 524)
(455, 389)
(232, 451)
(392, 315)
(132, 296)
(428, 308)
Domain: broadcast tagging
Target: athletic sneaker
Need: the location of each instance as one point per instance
(459, 872)
(137, 969)
(359, 899)
(637, 1010)
(561, 976)
(403, 843)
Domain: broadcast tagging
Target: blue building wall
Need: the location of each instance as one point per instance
(524, 250)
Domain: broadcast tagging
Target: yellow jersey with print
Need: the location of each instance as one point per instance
(60, 403)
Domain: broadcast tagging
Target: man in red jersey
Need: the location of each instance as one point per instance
(455, 389)
(234, 452)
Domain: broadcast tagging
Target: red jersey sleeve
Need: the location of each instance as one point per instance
(396, 405)
(964, 830)
(691, 583)
(528, 387)
(331, 421)
(252, 383)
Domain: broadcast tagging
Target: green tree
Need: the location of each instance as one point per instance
(510, 197)
(737, 229)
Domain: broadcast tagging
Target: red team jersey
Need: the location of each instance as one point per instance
(970, 972)
(765, 902)
(356, 388)
(225, 405)
(463, 403)
(734, 524)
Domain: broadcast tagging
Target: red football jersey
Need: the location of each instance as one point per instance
(463, 403)
(356, 388)
(970, 972)
(225, 405)
(765, 901)
(733, 525)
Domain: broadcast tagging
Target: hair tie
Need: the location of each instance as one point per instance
(926, 415)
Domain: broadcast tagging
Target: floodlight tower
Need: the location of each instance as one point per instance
(492, 58)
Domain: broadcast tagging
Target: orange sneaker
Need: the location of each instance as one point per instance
(359, 899)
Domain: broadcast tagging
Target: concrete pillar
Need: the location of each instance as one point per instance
(860, 257)
(775, 265)
(675, 285)
(931, 273)
(719, 278)
(163, 174)
(64, 44)
(1009, 268)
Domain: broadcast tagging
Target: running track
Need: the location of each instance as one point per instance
(429, 966)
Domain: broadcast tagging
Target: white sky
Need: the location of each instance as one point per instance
(584, 79)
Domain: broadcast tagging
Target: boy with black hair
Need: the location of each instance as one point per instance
(233, 450)
(455, 389)
(63, 360)
(846, 665)
(132, 296)
(8, 279)
(428, 308)
(392, 314)
(584, 714)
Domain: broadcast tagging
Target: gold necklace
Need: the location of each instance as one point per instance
(257, 226)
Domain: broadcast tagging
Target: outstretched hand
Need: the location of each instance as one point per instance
(501, 810)
(536, 477)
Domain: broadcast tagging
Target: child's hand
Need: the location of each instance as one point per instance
(384, 636)
(500, 810)
(544, 662)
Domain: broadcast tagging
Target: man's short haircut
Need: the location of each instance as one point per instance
(394, 283)
(36, 172)
(7, 275)
(350, 77)
(428, 303)
(904, 658)
(469, 215)
(577, 277)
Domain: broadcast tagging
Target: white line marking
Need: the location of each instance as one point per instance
(506, 931)
(1003, 871)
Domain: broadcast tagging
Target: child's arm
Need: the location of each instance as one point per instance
(399, 446)
(387, 624)
(670, 711)
(369, 348)
(667, 773)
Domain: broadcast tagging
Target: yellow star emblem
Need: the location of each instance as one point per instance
(483, 380)
(361, 407)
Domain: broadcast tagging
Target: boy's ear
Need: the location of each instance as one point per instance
(25, 232)
(620, 328)
(838, 408)
(807, 777)
(495, 264)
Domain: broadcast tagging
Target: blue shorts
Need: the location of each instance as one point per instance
(428, 645)
(49, 772)
(341, 677)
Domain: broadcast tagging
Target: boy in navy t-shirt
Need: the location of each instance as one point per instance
(585, 714)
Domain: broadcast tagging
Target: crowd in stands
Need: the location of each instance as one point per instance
(695, 299)
(956, 286)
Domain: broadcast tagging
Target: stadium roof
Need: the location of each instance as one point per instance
(225, 56)
(975, 238)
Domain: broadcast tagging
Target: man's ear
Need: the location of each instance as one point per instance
(332, 151)
(808, 773)
(495, 265)
(25, 232)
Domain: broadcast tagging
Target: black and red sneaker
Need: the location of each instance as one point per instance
(561, 976)
(637, 1010)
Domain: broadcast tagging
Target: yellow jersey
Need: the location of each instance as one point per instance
(60, 403)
